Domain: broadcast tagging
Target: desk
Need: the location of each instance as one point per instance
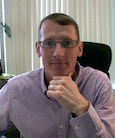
(4, 78)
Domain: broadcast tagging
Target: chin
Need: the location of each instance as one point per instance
(60, 73)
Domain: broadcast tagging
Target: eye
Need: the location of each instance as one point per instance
(49, 43)
(67, 43)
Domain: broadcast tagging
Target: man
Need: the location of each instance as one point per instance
(63, 99)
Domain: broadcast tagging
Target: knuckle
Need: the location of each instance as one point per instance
(63, 82)
(59, 94)
(59, 87)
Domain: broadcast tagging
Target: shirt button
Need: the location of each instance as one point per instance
(61, 126)
(76, 127)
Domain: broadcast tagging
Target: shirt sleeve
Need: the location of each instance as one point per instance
(99, 120)
(5, 109)
(89, 125)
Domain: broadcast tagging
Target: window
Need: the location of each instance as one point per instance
(95, 19)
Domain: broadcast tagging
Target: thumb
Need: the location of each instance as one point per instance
(70, 75)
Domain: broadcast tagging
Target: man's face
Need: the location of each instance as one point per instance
(58, 60)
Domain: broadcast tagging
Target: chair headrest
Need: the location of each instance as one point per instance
(96, 55)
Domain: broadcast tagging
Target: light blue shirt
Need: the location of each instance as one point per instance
(23, 101)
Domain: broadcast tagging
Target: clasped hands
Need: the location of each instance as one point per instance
(65, 91)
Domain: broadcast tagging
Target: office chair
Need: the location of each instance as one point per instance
(97, 56)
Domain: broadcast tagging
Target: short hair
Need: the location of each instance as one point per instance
(61, 19)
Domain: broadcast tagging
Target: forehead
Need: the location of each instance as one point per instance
(52, 30)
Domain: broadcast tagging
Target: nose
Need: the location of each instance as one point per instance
(59, 51)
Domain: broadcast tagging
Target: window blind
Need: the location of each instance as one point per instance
(95, 19)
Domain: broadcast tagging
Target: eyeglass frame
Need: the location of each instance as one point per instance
(60, 41)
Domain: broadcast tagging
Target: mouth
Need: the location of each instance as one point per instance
(59, 63)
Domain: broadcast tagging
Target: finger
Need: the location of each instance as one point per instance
(57, 77)
(70, 75)
(56, 88)
(54, 82)
(51, 87)
(51, 94)
(62, 77)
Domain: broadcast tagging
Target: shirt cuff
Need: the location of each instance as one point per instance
(84, 125)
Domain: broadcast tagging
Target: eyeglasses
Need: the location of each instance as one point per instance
(64, 43)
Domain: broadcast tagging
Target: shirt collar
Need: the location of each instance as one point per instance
(43, 84)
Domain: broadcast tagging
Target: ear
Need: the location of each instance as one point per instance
(38, 49)
(80, 49)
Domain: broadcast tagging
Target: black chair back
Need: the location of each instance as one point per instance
(97, 56)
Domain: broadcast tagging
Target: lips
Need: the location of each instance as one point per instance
(58, 63)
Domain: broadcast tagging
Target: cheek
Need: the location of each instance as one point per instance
(46, 57)
(73, 59)
(72, 55)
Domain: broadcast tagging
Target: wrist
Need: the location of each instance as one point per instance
(81, 110)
